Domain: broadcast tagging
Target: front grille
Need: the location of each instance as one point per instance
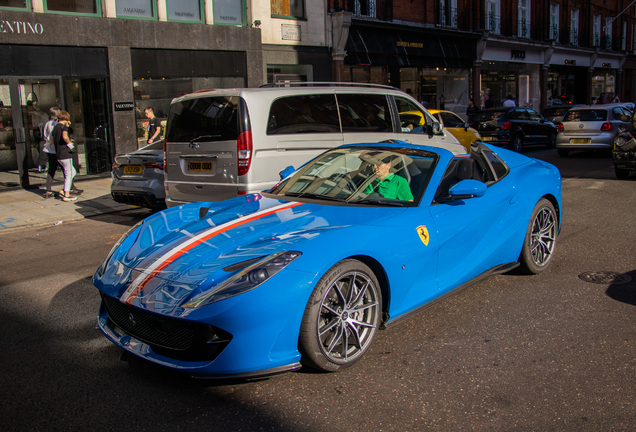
(171, 337)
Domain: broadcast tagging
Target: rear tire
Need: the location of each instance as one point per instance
(563, 152)
(551, 141)
(342, 317)
(541, 237)
(621, 174)
(517, 143)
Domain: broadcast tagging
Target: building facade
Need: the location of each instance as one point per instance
(106, 61)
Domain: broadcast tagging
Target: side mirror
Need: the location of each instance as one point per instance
(467, 189)
(466, 126)
(286, 172)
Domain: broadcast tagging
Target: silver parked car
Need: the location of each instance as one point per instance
(138, 177)
(591, 127)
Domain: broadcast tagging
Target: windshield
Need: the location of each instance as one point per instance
(363, 175)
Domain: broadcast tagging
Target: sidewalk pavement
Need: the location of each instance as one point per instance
(20, 208)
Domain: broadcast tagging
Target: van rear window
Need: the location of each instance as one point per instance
(303, 114)
(213, 117)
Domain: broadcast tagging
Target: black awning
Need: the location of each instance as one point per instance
(393, 47)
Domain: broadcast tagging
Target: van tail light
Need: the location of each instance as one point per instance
(165, 155)
(244, 152)
(506, 125)
(560, 127)
(607, 127)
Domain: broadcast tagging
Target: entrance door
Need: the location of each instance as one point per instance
(24, 106)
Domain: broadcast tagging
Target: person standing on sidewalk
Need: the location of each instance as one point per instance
(49, 150)
(63, 147)
(154, 125)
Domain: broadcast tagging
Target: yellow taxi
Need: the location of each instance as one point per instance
(456, 126)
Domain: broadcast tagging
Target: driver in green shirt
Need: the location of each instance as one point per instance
(388, 184)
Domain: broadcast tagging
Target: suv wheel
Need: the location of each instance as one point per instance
(621, 174)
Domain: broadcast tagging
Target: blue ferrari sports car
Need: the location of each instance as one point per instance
(307, 273)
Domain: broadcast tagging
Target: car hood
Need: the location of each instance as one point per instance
(177, 254)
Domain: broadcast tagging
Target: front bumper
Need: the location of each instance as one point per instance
(624, 159)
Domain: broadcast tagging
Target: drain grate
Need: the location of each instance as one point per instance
(605, 277)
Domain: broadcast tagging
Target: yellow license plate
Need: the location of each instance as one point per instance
(486, 138)
(200, 166)
(132, 169)
(580, 140)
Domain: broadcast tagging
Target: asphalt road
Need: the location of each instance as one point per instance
(512, 353)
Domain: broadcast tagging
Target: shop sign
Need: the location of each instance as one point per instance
(569, 62)
(410, 44)
(124, 106)
(606, 65)
(517, 55)
(290, 32)
(20, 27)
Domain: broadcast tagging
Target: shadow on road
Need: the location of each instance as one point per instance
(625, 293)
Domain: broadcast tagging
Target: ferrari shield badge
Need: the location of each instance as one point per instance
(423, 233)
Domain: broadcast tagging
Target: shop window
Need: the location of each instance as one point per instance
(365, 8)
(554, 21)
(608, 33)
(493, 18)
(185, 10)
(288, 8)
(74, 7)
(596, 30)
(523, 27)
(448, 13)
(574, 26)
(15, 5)
(159, 93)
(289, 73)
(141, 9)
(228, 12)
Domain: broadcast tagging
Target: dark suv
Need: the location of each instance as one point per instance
(514, 127)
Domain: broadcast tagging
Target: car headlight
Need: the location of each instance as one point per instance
(104, 263)
(245, 280)
(619, 141)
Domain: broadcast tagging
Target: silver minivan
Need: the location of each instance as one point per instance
(229, 142)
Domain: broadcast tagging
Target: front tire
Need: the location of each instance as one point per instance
(517, 143)
(540, 242)
(342, 317)
(551, 141)
(621, 174)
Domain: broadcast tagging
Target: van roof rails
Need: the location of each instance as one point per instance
(326, 84)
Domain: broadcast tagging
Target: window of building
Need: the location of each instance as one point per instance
(15, 4)
(365, 8)
(75, 7)
(493, 18)
(596, 30)
(624, 36)
(608, 33)
(554, 21)
(228, 12)
(523, 27)
(448, 13)
(185, 10)
(288, 8)
(574, 26)
(141, 9)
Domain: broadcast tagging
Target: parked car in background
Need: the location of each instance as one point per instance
(514, 127)
(624, 155)
(138, 177)
(555, 114)
(592, 127)
(229, 142)
(460, 129)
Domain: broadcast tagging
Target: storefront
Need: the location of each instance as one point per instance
(105, 72)
(431, 65)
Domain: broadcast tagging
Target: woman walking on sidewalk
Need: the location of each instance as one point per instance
(63, 147)
(49, 150)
